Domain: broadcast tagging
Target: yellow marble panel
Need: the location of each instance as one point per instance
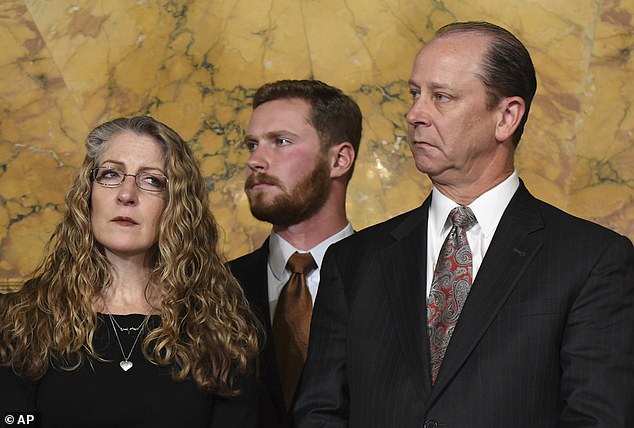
(603, 177)
(67, 65)
(41, 135)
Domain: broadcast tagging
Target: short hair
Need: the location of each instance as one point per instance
(507, 68)
(335, 116)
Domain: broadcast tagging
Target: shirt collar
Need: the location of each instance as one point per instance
(281, 250)
(487, 208)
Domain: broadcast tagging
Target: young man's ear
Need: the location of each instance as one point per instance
(511, 112)
(341, 157)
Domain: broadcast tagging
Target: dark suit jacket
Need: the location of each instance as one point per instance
(251, 272)
(545, 339)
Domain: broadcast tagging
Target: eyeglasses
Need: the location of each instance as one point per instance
(145, 180)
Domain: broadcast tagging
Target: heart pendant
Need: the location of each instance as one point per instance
(126, 365)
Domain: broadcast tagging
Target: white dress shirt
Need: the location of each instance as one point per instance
(279, 253)
(487, 208)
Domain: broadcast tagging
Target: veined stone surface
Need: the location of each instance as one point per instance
(66, 66)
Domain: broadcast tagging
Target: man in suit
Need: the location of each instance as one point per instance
(527, 319)
(303, 137)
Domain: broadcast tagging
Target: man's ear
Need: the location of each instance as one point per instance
(511, 112)
(341, 157)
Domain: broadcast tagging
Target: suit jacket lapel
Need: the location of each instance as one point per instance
(404, 265)
(508, 255)
(252, 273)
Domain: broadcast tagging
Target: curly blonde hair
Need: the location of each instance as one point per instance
(207, 331)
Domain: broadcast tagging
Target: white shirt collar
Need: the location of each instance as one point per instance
(487, 208)
(280, 250)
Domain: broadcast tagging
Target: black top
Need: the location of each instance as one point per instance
(102, 394)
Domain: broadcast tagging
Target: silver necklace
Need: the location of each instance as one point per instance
(126, 364)
(127, 329)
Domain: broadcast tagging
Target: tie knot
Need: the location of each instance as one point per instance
(301, 263)
(462, 217)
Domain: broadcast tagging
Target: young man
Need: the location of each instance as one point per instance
(485, 307)
(303, 138)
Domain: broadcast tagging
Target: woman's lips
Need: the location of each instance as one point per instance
(124, 221)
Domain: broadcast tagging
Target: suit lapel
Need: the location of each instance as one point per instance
(509, 253)
(254, 277)
(403, 264)
(252, 272)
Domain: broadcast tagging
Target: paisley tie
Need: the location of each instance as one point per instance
(450, 286)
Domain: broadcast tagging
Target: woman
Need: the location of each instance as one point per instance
(131, 319)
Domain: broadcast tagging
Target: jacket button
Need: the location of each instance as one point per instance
(430, 423)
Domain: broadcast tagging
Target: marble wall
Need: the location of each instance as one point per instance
(66, 66)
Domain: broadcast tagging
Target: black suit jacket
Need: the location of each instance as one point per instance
(545, 339)
(251, 272)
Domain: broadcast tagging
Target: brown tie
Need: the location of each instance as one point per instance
(291, 323)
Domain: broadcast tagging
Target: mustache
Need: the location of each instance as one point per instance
(261, 178)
